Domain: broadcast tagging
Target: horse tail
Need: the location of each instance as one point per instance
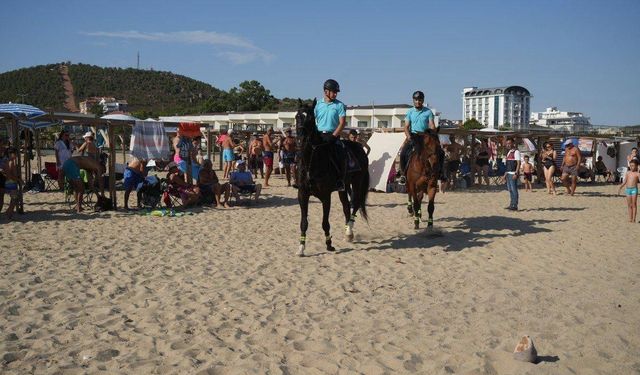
(364, 192)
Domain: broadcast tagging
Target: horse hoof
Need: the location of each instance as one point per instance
(331, 248)
(300, 252)
(349, 237)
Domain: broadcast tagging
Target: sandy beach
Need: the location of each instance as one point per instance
(221, 292)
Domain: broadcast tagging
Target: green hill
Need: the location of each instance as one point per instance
(41, 86)
(148, 93)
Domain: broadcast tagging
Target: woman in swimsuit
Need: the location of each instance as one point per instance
(548, 157)
(482, 162)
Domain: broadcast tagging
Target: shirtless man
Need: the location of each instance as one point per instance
(289, 156)
(267, 155)
(71, 169)
(227, 154)
(569, 167)
(134, 174)
(454, 151)
(255, 157)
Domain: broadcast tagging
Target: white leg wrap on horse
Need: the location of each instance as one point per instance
(300, 252)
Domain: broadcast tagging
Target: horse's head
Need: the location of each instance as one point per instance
(430, 141)
(305, 119)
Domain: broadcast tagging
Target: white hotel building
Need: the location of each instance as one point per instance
(562, 121)
(497, 107)
(378, 116)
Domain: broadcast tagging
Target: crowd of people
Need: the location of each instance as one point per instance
(457, 160)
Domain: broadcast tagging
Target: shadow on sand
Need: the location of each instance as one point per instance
(469, 233)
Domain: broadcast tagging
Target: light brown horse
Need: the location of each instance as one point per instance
(423, 170)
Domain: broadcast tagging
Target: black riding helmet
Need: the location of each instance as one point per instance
(331, 85)
(418, 95)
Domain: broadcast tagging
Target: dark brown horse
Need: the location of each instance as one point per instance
(317, 176)
(423, 170)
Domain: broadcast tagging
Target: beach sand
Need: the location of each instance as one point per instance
(221, 291)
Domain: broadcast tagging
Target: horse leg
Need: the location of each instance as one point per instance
(303, 201)
(417, 210)
(349, 217)
(431, 192)
(326, 208)
(410, 194)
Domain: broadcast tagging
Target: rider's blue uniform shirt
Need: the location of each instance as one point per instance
(328, 115)
(419, 119)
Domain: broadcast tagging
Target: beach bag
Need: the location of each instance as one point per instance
(36, 184)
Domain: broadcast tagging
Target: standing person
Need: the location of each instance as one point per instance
(267, 155)
(512, 174)
(354, 137)
(63, 152)
(89, 147)
(416, 122)
(527, 172)
(630, 183)
(255, 156)
(569, 167)
(182, 151)
(289, 157)
(330, 116)
(227, 154)
(455, 151)
(633, 156)
(482, 162)
(12, 180)
(548, 157)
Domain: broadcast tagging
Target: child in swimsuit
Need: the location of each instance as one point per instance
(630, 183)
(527, 171)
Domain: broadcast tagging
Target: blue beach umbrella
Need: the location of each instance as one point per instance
(20, 111)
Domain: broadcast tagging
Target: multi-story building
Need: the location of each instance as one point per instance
(109, 105)
(563, 121)
(497, 107)
(378, 116)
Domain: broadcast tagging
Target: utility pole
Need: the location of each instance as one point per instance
(138, 64)
(373, 114)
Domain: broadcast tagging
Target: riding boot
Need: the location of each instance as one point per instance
(403, 159)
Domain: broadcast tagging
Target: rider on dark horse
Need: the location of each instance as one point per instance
(330, 119)
(417, 121)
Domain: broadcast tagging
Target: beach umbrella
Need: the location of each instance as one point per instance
(20, 111)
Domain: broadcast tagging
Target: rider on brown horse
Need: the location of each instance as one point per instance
(417, 121)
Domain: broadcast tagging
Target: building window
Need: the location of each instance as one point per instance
(363, 124)
(224, 127)
(383, 124)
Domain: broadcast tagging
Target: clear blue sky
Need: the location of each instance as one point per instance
(578, 55)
